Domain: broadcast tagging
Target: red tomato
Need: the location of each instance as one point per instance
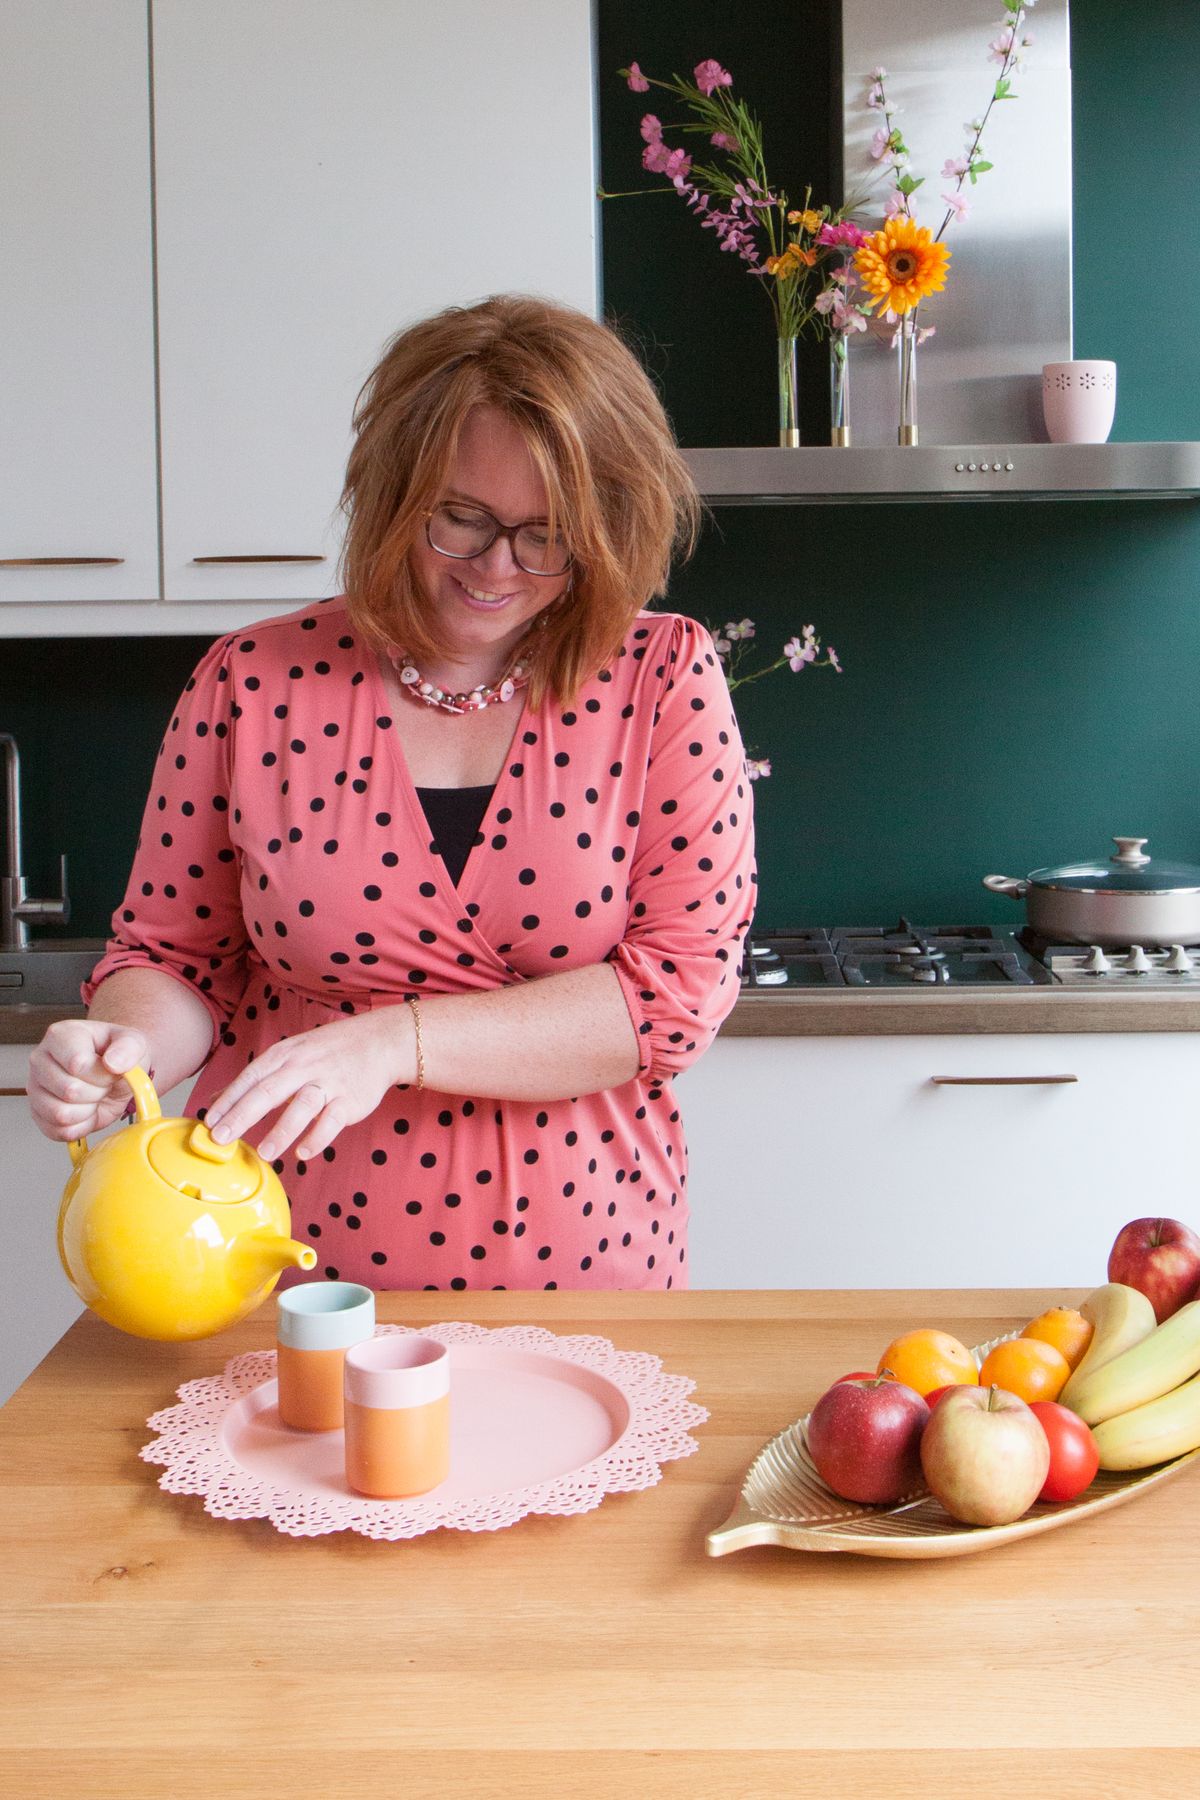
(1074, 1458)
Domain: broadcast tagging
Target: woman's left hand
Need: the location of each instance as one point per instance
(323, 1079)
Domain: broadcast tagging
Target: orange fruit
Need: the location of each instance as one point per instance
(1065, 1328)
(928, 1359)
(1026, 1367)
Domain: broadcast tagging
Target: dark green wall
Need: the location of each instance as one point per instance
(1019, 679)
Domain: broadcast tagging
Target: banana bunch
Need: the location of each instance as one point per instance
(1138, 1387)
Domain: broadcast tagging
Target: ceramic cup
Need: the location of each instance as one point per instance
(316, 1323)
(1079, 400)
(397, 1416)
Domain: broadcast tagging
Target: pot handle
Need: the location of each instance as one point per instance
(1006, 884)
(145, 1101)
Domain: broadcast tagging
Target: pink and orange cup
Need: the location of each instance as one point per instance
(316, 1324)
(397, 1411)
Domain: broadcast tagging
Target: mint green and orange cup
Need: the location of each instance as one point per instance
(397, 1416)
(316, 1324)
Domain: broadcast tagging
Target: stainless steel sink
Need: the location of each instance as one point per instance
(48, 974)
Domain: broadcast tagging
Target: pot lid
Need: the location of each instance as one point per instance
(1129, 871)
(187, 1156)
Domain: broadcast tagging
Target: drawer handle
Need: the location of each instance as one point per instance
(257, 559)
(1000, 1080)
(56, 562)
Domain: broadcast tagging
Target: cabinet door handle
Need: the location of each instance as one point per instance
(56, 562)
(1000, 1080)
(257, 559)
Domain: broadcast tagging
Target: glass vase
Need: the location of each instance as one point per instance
(908, 378)
(839, 390)
(789, 398)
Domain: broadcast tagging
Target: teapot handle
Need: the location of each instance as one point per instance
(145, 1101)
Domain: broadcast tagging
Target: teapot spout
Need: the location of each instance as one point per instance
(262, 1257)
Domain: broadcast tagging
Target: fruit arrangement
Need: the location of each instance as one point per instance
(1113, 1384)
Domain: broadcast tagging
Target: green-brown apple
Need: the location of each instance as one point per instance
(984, 1455)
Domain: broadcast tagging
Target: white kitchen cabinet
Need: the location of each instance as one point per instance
(323, 176)
(836, 1162)
(77, 403)
(39, 1301)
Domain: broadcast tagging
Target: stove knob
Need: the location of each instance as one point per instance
(1137, 962)
(1179, 960)
(1095, 962)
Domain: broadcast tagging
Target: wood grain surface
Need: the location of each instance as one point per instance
(149, 1650)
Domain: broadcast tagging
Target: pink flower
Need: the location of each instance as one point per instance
(655, 157)
(736, 632)
(758, 768)
(894, 205)
(846, 232)
(954, 165)
(999, 48)
(676, 167)
(651, 129)
(958, 204)
(721, 140)
(710, 75)
(637, 81)
(832, 656)
(876, 98)
(878, 74)
(881, 143)
(798, 653)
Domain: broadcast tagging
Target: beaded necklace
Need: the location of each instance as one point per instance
(414, 683)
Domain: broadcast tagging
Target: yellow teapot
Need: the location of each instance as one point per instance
(167, 1234)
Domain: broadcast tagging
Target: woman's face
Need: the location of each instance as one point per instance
(484, 604)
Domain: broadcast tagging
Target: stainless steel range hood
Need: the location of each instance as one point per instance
(1007, 306)
(940, 472)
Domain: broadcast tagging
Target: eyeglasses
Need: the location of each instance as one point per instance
(467, 531)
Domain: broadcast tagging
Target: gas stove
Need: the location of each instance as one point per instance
(930, 958)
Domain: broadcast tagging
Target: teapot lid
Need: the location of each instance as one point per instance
(187, 1156)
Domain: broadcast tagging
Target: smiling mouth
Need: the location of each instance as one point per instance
(484, 599)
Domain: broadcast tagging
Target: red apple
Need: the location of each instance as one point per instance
(865, 1439)
(935, 1394)
(985, 1456)
(1159, 1257)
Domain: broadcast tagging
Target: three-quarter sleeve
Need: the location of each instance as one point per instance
(182, 911)
(692, 880)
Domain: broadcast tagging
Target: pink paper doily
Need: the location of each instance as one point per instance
(540, 1424)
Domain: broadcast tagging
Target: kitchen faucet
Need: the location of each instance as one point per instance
(17, 911)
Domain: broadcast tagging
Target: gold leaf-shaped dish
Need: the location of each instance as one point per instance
(784, 1501)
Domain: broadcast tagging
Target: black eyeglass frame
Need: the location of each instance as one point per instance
(500, 531)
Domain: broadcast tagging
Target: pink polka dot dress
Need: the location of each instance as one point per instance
(286, 872)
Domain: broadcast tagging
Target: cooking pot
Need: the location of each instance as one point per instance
(1130, 899)
(167, 1234)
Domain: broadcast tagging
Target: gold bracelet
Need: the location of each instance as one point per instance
(416, 1019)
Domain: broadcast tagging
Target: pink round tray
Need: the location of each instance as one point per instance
(539, 1424)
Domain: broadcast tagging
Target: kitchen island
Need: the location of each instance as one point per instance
(149, 1650)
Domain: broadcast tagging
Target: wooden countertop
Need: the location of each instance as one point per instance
(148, 1650)
(825, 1012)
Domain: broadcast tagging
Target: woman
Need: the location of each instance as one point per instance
(441, 882)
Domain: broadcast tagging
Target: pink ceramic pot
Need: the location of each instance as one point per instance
(1079, 400)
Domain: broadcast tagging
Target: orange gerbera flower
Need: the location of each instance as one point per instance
(808, 220)
(901, 264)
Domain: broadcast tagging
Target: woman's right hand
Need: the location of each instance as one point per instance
(76, 1083)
